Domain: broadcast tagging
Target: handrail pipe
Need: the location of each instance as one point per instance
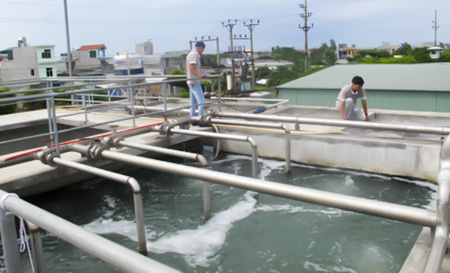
(341, 123)
(439, 246)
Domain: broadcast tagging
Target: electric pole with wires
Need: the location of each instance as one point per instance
(435, 27)
(305, 28)
(229, 27)
(251, 26)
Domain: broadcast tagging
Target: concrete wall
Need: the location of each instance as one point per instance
(392, 157)
(24, 60)
(379, 99)
(85, 62)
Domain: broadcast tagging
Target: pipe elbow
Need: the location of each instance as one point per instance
(134, 185)
(251, 141)
(285, 128)
(202, 160)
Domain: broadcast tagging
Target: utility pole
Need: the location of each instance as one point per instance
(230, 27)
(251, 26)
(435, 27)
(69, 53)
(305, 29)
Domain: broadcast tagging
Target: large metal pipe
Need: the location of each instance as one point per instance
(259, 124)
(342, 123)
(106, 250)
(351, 203)
(254, 147)
(137, 196)
(439, 246)
(186, 155)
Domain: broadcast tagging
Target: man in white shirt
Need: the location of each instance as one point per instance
(194, 70)
(346, 101)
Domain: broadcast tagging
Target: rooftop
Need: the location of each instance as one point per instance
(412, 77)
(92, 47)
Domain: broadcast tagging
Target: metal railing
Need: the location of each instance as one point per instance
(436, 130)
(51, 96)
(106, 250)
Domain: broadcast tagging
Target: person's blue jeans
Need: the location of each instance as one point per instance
(197, 97)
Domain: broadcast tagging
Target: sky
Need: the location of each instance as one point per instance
(171, 24)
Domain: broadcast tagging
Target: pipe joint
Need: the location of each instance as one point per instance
(96, 147)
(165, 128)
(46, 157)
(114, 141)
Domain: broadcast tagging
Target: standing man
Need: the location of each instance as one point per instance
(346, 101)
(193, 69)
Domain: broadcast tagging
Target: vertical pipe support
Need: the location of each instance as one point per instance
(131, 91)
(36, 247)
(9, 241)
(287, 148)
(206, 200)
(55, 124)
(254, 157)
(139, 214)
(83, 96)
(220, 91)
(165, 97)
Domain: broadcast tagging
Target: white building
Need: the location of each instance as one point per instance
(27, 62)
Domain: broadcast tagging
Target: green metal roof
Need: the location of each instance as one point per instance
(416, 77)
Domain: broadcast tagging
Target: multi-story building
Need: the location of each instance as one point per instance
(345, 51)
(27, 62)
(90, 58)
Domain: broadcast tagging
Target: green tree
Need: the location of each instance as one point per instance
(290, 54)
(262, 72)
(281, 75)
(7, 109)
(404, 49)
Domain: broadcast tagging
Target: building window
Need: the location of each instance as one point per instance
(47, 54)
(49, 71)
(92, 54)
(32, 72)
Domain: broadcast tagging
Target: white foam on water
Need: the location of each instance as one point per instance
(231, 157)
(349, 180)
(331, 212)
(200, 246)
(108, 226)
(319, 268)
